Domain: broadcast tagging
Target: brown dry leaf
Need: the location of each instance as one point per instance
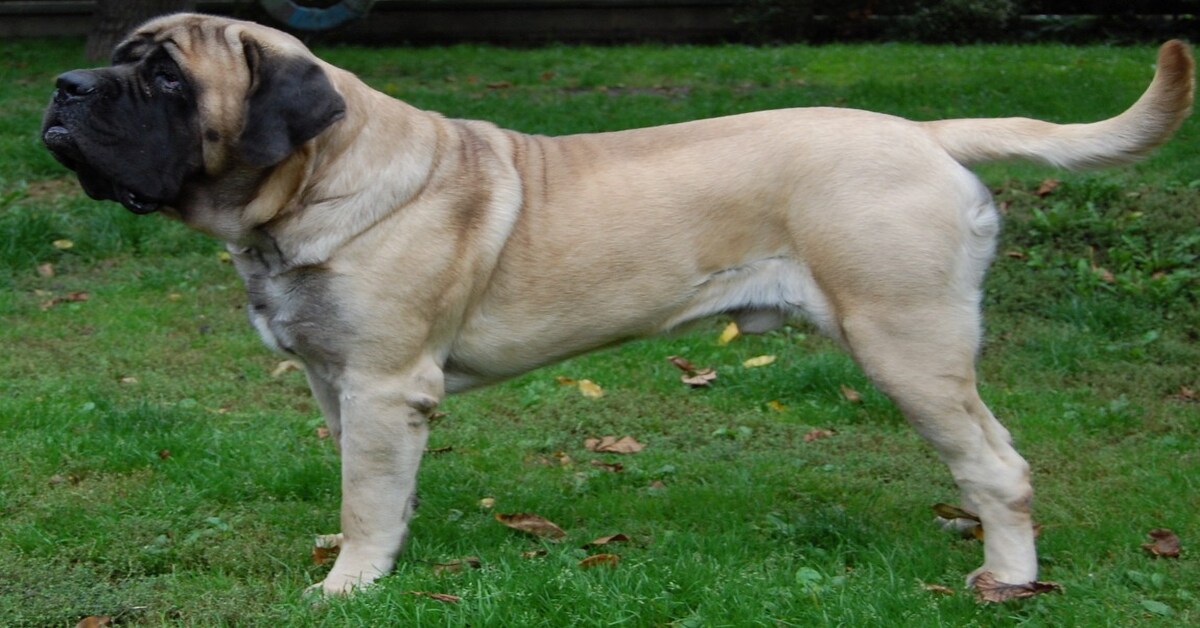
(1015, 254)
(851, 395)
(499, 85)
(325, 548)
(547, 75)
(1165, 543)
(532, 524)
(605, 540)
(70, 297)
(615, 467)
(598, 560)
(990, 590)
(729, 334)
(537, 553)
(1105, 275)
(285, 366)
(322, 432)
(95, 621)
(1186, 394)
(563, 380)
(613, 445)
(440, 450)
(947, 511)
(457, 565)
(46, 270)
(692, 375)
(658, 485)
(164, 454)
(818, 434)
(1047, 187)
(937, 588)
(441, 597)
(756, 362)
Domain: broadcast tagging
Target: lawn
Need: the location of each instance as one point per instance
(158, 467)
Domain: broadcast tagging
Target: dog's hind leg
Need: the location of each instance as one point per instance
(923, 357)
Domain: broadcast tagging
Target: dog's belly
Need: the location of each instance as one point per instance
(761, 295)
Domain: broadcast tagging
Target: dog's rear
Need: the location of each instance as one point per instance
(1120, 140)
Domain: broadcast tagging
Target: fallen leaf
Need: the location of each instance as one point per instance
(457, 565)
(534, 553)
(614, 467)
(224, 257)
(174, 296)
(70, 297)
(1047, 187)
(1105, 275)
(613, 445)
(563, 380)
(164, 454)
(590, 389)
(487, 502)
(947, 511)
(1014, 254)
(499, 85)
(851, 395)
(547, 75)
(441, 597)
(70, 478)
(45, 270)
(937, 588)
(1186, 394)
(129, 380)
(325, 548)
(776, 405)
(532, 524)
(605, 540)
(440, 450)
(63, 244)
(756, 362)
(285, 366)
(818, 434)
(95, 621)
(990, 590)
(322, 432)
(692, 375)
(729, 334)
(598, 560)
(1165, 543)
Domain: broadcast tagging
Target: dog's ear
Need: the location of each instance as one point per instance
(290, 102)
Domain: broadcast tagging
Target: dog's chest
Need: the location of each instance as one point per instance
(291, 308)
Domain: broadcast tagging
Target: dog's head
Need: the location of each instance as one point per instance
(189, 101)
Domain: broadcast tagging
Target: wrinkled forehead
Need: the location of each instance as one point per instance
(188, 35)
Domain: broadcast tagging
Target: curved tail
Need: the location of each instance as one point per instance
(1120, 140)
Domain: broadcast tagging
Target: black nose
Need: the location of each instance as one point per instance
(76, 84)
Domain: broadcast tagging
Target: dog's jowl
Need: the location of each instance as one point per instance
(401, 255)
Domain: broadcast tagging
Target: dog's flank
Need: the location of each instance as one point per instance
(402, 255)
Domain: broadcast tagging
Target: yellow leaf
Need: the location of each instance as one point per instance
(729, 334)
(590, 389)
(761, 360)
(285, 366)
(775, 405)
(63, 244)
(487, 502)
(224, 257)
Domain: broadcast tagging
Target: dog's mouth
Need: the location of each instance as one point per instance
(96, 184)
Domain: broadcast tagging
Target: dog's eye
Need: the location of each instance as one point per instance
(168, 80)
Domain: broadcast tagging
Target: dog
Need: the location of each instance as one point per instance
(401, 255)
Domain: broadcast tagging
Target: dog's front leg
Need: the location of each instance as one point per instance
(384, 422)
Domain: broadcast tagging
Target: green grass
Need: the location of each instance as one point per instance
(153, 470)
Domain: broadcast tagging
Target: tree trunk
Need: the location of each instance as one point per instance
(115, 18)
